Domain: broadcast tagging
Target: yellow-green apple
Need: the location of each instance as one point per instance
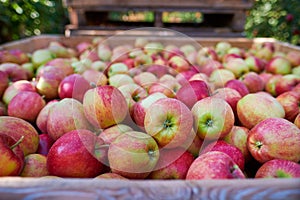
(222, 48)
(230, 56)
(290, 101)
(253, 82)
(18, 128)
(213, 118)
(279, 168)
(109, 134)
(4, 81)
(133, 155)
(145, 79)
(187, 49)
(117, 68)
(206, 54)
(297, 121)
(61, 51)
(238, 138)
(255, 107)
(12, 157)
(169, 122)
(26, 105)
(255, 64)
(15, 88)
(73, 86)
(41, 120)
(142, 60)
(35, 166)
(238, 66)
(76, 154)
(279, 65)
(62, 63)
(237, 51)
(41, 56)
(296, 70)
(167, 77)
(95, 77)
(104, 52)
(140, 42)
(220, 77)
(293, 57)
(45, 143)
(270, 85)
(104, 106)
(286, 83)
(232, 151)
(30, 70)
(98, 65)
(139, 109)
(3, 109)
(153, 48)
(80, 66)
(192, 92)
(264, 53)
(14, 71)
(48, 80)
(274, 138)
(214, 165)
(110, 175)
(238, 85)
(118, 80)
(172, 164)
(66, 115)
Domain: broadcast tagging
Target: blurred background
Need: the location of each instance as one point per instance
(279, 19)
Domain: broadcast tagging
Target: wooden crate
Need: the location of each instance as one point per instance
(59, 188)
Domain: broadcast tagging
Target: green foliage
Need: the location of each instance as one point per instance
(279, 19)
(21, 18)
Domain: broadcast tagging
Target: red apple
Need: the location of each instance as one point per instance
(297, 121)
(14, 71)
(158, 70)
(183, 77)
(14, 55)
(63, 64)
(293, 57)
(238, 86)
(76, 154)
(210, 66)
(168, 88)
(255, 64)
(286, 83)
(45, 143)
(145, 79)
(41, 120)
(35, 166)
(290, 102)
(110, 134)
(193, 144)
(278, 168)
(274, 138)
(220, 77)
(270, 85)
(214, 165)
(279, 65)
(95, 77)
(82, 46)
(179, 64)
(253, 82)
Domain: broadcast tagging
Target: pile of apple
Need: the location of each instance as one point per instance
(150, 110)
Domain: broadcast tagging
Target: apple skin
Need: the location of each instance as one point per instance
(14, 71)
(210, 66)
(76, 154)
(253, 82)
(41, 120)
(279, 65)
(271, 83)
(290, 102)
(110, 176)
(145, 79)
(220, 77)
(297, 121)
(168, 88)
(172, 164)
(73, 86)
(118, 80)
(193, 144)
(169, 122)
(238, 66)
(3, 109)
(133, 155)
(62, 63)
(238, 86)
(41, 56)
(278, 168)
(274, 138)
(119, 54)
(255, 64)
(238, 138)
(15, 56)
(214, 165)
(293, 57)
(26, 105)
(183, 77)
(232, 151)
(45, 143)
(4, 81)
(110, 134)
(286, 83)
(16, 128)
(192, 92)
(255, 107)
(213, 118)
(104, 106)
(158, 70)
(15, 87)
(35, 166)
(61, 119)
(95, 77)
(11, 160)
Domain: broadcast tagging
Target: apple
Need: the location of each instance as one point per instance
(172, 164)
(286, 83)
(3, 109)
(104, 106)
(270, 85)
(119, 80)
(230, 56)
(265, 77)
(158, 70)
(264, 53)
(4, 81)
(232, 151)
(255, 107)
(210, 66)
(29, 69)
(293, 57)
(73, 86)
(290, 102)
(183, 77)
(61, 119)
(41, 56)
(220, 77)
(12, 157)
(133, 155)
(253, 82)
(98, 66)
(139, 109)
(255, 64)
(110, 134)
(145, 79)
(140, 42)
(214, 165)
(89, 55)
(192, 92)
(142, 60)
(104, 52)
(76, 154)
(45, 143)
(213, 118)
(206, 54)
(14, 56)
(238, 138)
(187, 49)
(193, 144)
(167, 77)
(26, 105)
(95, 77)
(279, 65)
(152, 48)
(297, 121)
(120, 53)
(199, 77)
(110, 176)
(222, 48)
(82, 46)
(274, 138)
(169, 122)
(41, 120)
(117, 68)
(14, 71)
(18, 128)
(48, 80)
(296, 70)
(278, 168)
(35, 166)
(62, 63)
(60, 51)
(238, 85)
(238, 66)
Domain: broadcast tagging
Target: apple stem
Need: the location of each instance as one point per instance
(17, 143)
